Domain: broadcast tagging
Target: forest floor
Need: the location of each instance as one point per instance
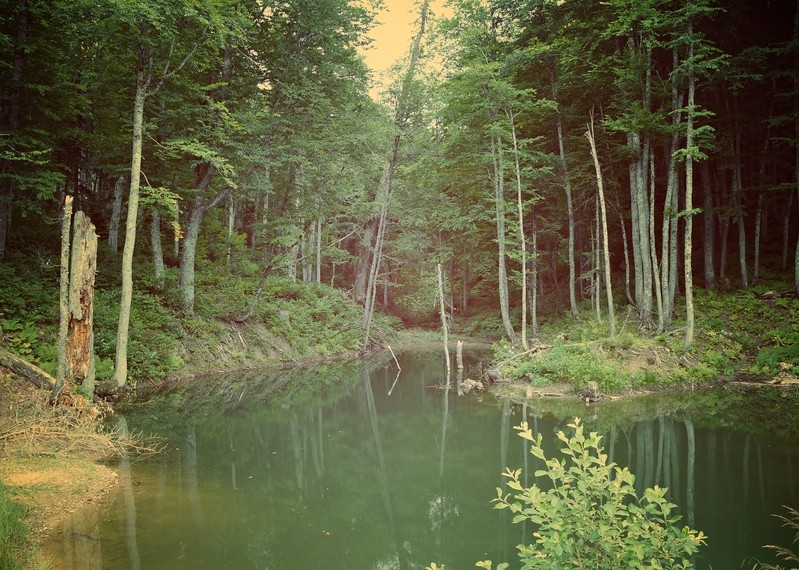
(50, 479)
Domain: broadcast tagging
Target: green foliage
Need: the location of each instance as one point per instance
(590, 515)
(21, 337)
(575, 364)
(154, 334)
(12, 532)
(312, 318)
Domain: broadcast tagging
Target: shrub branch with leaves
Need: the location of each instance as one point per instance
(591, 517)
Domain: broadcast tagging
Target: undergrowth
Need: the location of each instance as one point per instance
(12, 532)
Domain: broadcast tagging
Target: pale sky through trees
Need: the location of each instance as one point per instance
(396, 25)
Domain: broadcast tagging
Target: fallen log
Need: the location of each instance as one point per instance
(25, 369)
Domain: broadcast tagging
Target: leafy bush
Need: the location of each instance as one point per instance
(571, 363)
(592, 517)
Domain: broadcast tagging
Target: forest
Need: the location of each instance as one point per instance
(551, 158)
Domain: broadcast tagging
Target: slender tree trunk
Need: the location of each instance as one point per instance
(465, 290)
(231, 221)
(116, 214)
(689, 188)
(786, 226)
(604, 221)
(652, 245)
(761, 184)
(626, 248)
(737, 191)
(319, 251)
(708, 244)
(567, 187)
(142, 83)
(522, 240)
(157, 250)
(63, 301)
(188, 253)
(443, 315)
(668, 251)
(533, 289)
(499, 204)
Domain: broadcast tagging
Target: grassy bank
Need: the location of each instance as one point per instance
(750, 335)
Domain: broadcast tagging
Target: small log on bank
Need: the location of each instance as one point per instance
(26, 370)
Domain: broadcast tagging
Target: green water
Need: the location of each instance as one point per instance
(351, 467)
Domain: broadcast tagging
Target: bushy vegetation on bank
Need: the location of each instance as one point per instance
(291, 321)
(751, 334)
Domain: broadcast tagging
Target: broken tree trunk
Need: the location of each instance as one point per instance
(80, 345)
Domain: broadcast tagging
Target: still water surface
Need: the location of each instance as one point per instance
(351, 467)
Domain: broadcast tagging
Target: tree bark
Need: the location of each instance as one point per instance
(157, 250)
(116, 214)
(80, 345)
(520, 211)
(143, 77)
(653, 256)
(63, 301)
(708, 243)
(604, 221)
(499, 205)
(567, 188)
(443, 315)
(689, 189)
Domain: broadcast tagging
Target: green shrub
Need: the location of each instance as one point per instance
(591, 516)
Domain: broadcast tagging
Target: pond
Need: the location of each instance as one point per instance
(359, 466)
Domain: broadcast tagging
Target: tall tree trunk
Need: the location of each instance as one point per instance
(604, 221)
(533, 289)
(668, 251)
(761, 186)
(689, 189)
(231, 221)
(116, 214)
(318, 251)
(653, 256)
(443, 316)
(143, 76)
(520, 210)
(626, 248)
(737, 192)
(499, 206)
(63, 301)
(157, 250)
(708, 243)
(786, 226)
(567, 188)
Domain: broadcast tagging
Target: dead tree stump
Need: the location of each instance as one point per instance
(83, 264)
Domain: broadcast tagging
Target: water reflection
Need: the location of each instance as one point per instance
(387, 473)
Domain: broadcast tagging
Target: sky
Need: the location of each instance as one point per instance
(392, 36)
